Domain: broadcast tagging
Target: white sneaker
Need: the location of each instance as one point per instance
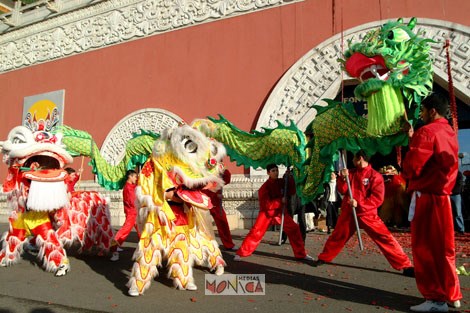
(119, 249)
(237, 258)
(430, 306)
(114, 257)
(133, 292)
(191, 286)
(62, 270)
(308, 258)
(219, 270)
(455, 304)
(234, 248)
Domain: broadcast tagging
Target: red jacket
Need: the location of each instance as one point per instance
(216, 197)
(271, 193)
(128, 198)
(431, 165)
(70, 181)
(368, 190)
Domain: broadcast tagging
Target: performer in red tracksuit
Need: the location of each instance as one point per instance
(218, 214)
(271, 201)
(128, 197)
(72, 178)
(431, 167)
(368, 190)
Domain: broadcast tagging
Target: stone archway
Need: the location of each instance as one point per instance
(154, 120)
(317, 74)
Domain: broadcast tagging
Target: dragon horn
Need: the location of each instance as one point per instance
(412, 23)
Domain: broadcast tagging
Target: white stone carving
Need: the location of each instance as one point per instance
(112, 22)
(155, 120)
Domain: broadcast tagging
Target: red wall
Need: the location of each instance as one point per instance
(227, 67)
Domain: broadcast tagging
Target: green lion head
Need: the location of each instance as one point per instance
(392, 63)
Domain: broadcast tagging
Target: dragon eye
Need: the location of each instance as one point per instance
(398, 35)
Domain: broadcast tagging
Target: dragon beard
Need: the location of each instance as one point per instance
(386, 108)
(47, 196)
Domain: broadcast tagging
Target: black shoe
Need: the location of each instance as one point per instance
(409, 272)
(318, 263)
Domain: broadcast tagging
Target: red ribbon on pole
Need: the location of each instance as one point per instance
(453, 104)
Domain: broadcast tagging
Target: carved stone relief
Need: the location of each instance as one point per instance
(154, 120)
(112, 22)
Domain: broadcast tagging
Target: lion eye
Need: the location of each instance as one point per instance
(189, 145)
(18, 139)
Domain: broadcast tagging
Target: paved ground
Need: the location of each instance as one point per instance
(356, 282)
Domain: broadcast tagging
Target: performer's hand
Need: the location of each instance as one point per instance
(408, 128)
(344, 172)
(171, 195)
(353, 203)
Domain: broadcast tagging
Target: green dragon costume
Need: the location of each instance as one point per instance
(394, 68)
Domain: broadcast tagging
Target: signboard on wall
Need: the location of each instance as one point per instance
(44, 111)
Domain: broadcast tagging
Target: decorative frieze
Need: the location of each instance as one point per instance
(111, 22)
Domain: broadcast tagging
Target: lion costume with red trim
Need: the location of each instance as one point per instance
(42, 208)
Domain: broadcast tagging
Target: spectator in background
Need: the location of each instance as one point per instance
(394, 210)
(456, 201)
(330, 202)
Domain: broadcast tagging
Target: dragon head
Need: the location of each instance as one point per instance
(392, 63)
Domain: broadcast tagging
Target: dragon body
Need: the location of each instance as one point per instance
(394, 70)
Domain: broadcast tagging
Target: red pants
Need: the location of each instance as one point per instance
(220, 219)
(432, 240)
(125, 230)
(377, 231)
(258, 230)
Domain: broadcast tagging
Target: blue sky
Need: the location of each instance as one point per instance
(464, 147)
